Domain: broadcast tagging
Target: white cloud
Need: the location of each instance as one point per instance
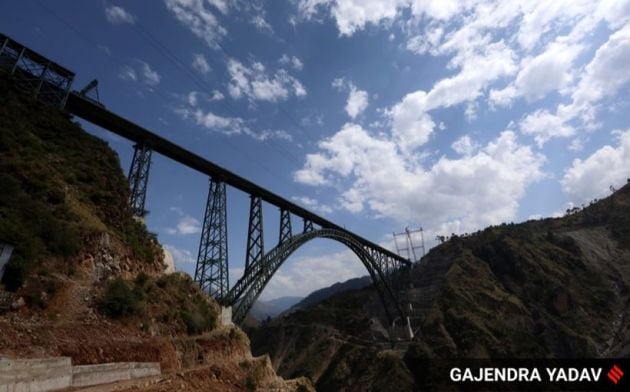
(294, 61)
(197, 15)
(193, 110)
(357, 101)
(313, 204)
(214, 122)
(603, 76)
(465, 146)
(118, 15)
(181, 256)
(141, 72)
(539, 75)
(303, 275)
(186, 225)
(217, 95)
(607, 72)
(543, 126)
(470, 192)
(150, 77)
(261, 24)
(256, 84)
(127, 73)
(591, 178)
(352, 15)
(200, 63)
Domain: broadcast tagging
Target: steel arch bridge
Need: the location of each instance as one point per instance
(51, 84)
(380, 267)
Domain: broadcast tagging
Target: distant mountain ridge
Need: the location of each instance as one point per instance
(272, 308)
(327, 292)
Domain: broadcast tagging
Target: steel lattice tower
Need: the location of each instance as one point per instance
(139, 178)
(211, 272)
(255, 242)
(285, 226)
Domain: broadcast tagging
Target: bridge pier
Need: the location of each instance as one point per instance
(255, 241)
(211, 272)
(139, 178)
(286, 233)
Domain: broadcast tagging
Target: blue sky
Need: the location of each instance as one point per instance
(450, 115)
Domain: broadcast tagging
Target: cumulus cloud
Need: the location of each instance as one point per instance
(293, 61)
(357, 101)
(200, 63)
(603, 76)
(541, 74)
(255, 83)
(591, 178)
(465, 146)
(118, 15)
(193, 109)
(543, 126)
(140, 71)
(482, 187)
(186, 225)
(199, 17)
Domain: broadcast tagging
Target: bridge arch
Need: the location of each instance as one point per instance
(254, 280)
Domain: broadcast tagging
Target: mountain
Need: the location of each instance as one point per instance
(556, 287)
(86, 279)
(326, 292)
(261, 310)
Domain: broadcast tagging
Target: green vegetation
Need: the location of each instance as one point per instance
(60, 186)
(170, 299)
(120, 299)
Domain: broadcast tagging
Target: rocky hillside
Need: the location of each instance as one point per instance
(86, 279)
(545, 288)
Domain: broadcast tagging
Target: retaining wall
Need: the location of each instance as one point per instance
(50, 374)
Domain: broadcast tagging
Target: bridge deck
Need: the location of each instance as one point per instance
(99, 115)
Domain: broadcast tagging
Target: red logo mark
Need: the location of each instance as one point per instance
(615, 374)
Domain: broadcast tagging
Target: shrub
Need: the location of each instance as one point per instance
(141, 279)
(119, 300)
(200, 319)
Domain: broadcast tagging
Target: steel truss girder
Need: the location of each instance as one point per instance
(211, 272)
(245, 292)
(139, 178)
(47, 81)
(285, 226)
(255, 240)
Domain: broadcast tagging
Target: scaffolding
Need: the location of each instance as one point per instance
(409, 248)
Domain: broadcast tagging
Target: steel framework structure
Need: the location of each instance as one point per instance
(45, 80)
(139, 178)
(255, 239)
(380, 267)
(50, 83)
(211, 272)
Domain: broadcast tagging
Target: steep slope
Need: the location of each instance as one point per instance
(86, 279)
(547, 288)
